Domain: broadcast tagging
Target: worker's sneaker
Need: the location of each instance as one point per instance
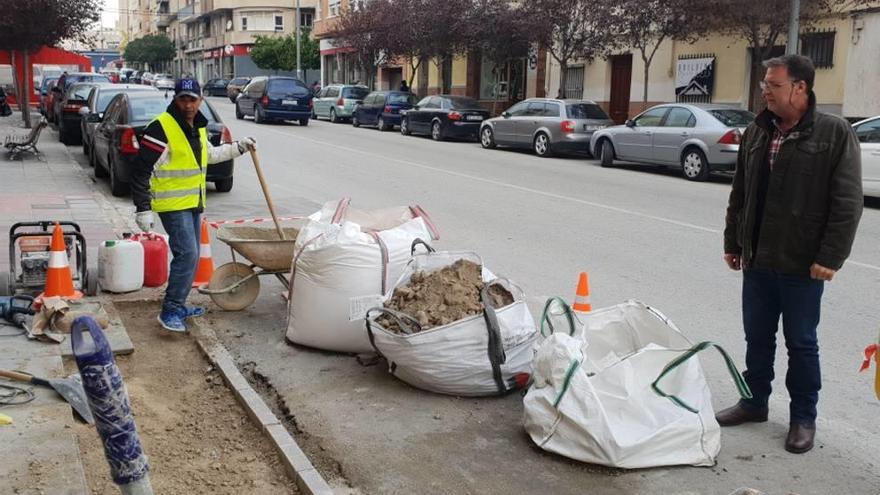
(192, 311)
(173, 321)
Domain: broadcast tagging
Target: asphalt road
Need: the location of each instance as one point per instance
(640, 232)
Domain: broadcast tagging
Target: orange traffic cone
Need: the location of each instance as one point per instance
(59, 281)
(582, 297)
(206, 264)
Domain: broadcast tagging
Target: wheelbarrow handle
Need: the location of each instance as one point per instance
(22, 377)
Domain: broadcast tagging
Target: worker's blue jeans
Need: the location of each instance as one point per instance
(183, 229)
(765, 296)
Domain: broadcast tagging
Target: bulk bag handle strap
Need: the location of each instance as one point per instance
(738, 380)
(566, 309)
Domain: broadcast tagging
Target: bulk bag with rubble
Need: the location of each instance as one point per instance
(344, 261)
(487, 353)
(621, 387)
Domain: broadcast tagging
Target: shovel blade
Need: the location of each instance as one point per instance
(72, 390)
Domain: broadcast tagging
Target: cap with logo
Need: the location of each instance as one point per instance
(187, 87)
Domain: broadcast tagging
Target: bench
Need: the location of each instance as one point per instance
(15, 145)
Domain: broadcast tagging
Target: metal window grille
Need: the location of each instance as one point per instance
(819, 46)
(574, 82)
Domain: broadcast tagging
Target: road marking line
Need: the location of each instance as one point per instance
(533, 191)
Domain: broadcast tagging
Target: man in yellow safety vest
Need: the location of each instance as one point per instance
(169, 178)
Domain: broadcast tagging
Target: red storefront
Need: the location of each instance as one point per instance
(44, 56)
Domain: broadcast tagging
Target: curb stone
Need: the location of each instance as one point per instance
(307, 478)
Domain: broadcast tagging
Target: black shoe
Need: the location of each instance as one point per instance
(740, 414)
(800, 437)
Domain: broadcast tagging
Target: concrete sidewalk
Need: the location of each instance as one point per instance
(40, 453)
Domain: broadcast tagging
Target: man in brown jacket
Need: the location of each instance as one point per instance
(791, 219)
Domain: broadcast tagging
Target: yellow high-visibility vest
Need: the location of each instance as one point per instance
(180, 183)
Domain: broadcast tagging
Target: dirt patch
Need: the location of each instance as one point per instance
(198, 439)
(443, 296)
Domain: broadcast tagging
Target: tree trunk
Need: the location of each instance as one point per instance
(563, 79)
(645, 89)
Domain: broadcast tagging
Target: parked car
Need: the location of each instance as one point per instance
(546, 125)
(444, 116)
(126, 74)
(382, 109)
(116, 139)
(69, 119)
(215, 87)
(235, 86)
(136, 77)
(269, 98)
(699, 139)
(868, 132)
(147, 78)
(96, 104)
(163, 81)
(64, 83)
(337, 101)
(45, 90)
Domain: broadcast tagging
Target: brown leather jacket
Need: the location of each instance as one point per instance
(814, 195)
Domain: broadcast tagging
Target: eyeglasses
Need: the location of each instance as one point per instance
(765, 85)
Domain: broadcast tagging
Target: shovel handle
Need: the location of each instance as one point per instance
(22, 377)
(266, 192)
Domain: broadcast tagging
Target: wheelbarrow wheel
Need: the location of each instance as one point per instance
(240, 297)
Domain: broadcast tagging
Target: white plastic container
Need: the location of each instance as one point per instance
(121, 266)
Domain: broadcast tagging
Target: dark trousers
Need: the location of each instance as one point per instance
(765, 296)
(183, 229)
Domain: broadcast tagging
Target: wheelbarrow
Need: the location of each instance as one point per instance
(236, 285)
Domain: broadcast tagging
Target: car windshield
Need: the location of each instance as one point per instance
(239, 81)
(585, 111)
(288, 87)
(85, 78)
(49, 82)
(79, 92)
(146, 107)
(401, 99)
(106, 95)
(356, 93)
(733, 118)
(461, 102)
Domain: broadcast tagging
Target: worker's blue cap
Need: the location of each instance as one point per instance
(187, 87)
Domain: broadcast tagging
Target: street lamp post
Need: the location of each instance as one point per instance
(793, 28)
(297, 20)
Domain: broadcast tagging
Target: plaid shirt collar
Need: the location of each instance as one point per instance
(778, 137)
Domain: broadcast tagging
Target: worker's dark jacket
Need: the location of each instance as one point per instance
(806, 209)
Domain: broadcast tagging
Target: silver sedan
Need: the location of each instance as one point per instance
(697, 138)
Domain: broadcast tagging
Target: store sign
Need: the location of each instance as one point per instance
(695, 76)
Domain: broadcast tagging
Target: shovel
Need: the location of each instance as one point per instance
(266, 193)
(69, 388)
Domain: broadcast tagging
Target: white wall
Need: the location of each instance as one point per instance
(862, 86)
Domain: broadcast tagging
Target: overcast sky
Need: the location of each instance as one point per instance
(110, 13)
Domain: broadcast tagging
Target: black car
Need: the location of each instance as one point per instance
(117, 138)
(215, 87)
(275, 98)
(382, 109)
(68, 120)
(96, 104)
(64, 83)
(444, 116)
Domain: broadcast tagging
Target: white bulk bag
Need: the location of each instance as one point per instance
(469, 357)
(621, 390)
(343, 263)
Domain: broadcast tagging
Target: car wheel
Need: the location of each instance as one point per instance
(354, 120)
(436, 131)
(487, 138)
(303, 122)
(100, 172)
(333, 118)
(85, 147)
(404, 127)
(258, 115)
(694, 164)
(232, 99)
(61, 131)
(606, 153)
(541, 145)
(238, 114)
(223, 185)
(117, 187)
(380, 124)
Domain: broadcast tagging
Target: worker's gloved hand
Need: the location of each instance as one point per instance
(144, 220)
(247, 144)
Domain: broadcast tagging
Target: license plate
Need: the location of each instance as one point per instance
(289, 102)
(474, 117)
(588, 127)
